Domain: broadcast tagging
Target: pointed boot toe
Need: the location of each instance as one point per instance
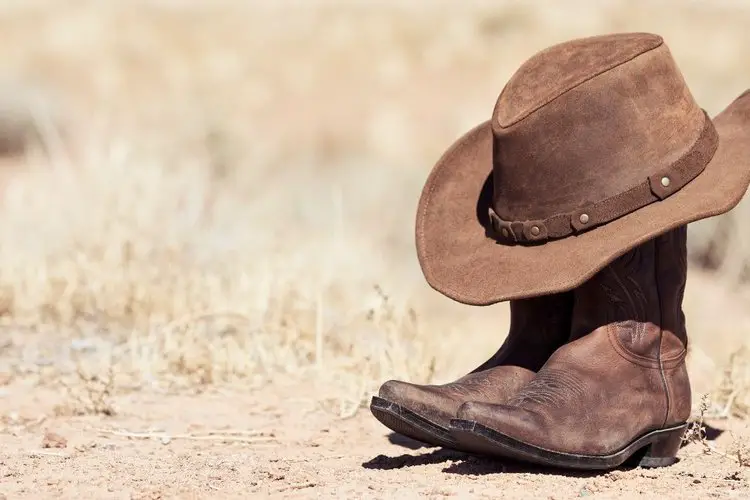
(416, 411)
(428, 402)
(502, 418)
(424, 412)
(396, 390)
(493, 429)
(538, 326)
(393, 390)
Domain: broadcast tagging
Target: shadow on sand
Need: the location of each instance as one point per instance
(465, 464)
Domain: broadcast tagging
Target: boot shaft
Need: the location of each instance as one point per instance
(622, 374)
(640, 295)
(538, 326)
(671, 269)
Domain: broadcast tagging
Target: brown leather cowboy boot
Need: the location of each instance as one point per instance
(618, 388)
(538, 326)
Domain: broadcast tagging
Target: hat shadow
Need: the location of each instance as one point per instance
(484, 202)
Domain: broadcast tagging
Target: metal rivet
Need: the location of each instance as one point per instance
(584, 218)
(535, 230)
(505, 232)
(665, 181)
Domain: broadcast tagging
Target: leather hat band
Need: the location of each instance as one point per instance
(655, 188)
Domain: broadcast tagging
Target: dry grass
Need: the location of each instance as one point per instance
(224, 191)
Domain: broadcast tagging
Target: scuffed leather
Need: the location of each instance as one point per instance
(630, 122)
(538, 326)
(622, 373)
(562, 67)
(596, 122)
(650, 190)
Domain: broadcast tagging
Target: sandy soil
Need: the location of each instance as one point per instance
(63, 436)
(173, 81)
(276, 441)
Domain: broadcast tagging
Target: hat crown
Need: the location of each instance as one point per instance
(561, 67)
(586, 120)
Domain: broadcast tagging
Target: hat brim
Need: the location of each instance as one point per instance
(461, 260)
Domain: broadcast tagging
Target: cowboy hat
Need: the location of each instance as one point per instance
(595, 146)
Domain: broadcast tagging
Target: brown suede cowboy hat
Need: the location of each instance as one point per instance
(595, 145)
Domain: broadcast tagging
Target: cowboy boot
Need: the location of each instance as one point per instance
(538, 326)
(619, 388)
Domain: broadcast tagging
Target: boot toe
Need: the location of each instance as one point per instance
(512, 421)
(394, 390)
(426, 401)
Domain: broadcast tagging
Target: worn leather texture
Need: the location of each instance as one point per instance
(579, 124)
(622, 373)
(537, 328)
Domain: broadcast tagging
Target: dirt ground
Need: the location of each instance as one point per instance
(272, 441)
(64, 434)
(264, 117)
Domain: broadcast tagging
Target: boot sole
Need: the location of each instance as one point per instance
(659, 448)
(406, 422)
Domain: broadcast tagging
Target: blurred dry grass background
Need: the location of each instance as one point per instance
(216, 190)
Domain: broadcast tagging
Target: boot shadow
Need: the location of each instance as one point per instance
(406, 442)
(437, 456)
(711, 433)
(482, 466)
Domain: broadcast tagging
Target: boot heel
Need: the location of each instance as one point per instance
(662, 452)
